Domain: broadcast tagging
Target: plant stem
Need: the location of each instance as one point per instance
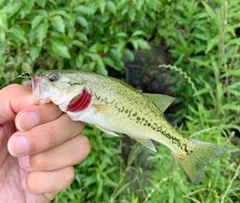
(221, 52)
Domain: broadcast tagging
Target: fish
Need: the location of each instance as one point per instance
(114, 107)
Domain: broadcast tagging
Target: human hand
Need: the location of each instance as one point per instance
(44, 144)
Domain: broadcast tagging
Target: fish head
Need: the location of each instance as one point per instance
(56, 87)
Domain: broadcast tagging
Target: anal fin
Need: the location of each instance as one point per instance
(146, 142)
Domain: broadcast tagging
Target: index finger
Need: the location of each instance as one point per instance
(13, 98)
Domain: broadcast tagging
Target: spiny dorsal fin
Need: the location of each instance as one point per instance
(162, 101)
(146, 142)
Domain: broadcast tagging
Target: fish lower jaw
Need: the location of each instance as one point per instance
(41, 101)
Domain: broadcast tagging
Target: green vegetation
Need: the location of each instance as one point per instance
(38, 35)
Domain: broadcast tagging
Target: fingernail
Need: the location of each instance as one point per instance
(27, 121)
(18, 145)
(24, 162)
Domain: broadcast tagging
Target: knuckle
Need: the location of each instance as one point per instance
(38, 162)
(44, 141)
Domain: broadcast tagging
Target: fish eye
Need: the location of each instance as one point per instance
(53, 78)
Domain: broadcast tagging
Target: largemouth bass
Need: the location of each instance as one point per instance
(114, 106)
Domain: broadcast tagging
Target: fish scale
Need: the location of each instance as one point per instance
(115, 106)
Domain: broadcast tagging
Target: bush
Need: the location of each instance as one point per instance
(72, 34)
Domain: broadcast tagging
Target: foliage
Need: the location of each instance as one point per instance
(208, 48)
(75, 34)
(71, 34)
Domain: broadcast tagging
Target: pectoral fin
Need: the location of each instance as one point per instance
(162, 101)
(146, 142)
(107, 131)
(103, 108)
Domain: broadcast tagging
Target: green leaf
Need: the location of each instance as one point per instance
(94, 57)
(26, 8)
(108, 61)
(121, 35)
(212, 43)
(143, 44)
(58, 23)
(2, 35)
(36, 21)
(42, 31)
(111, 7)
(3, 21)
(26, 67)
(77, 43)
(101, 5)
(79, 60)
(209, 10)
(41, 3)
(132, 14)
(82, 21)
(129, 54)
(60, 49)
(34, 51)
(232, 106)
(85, 10)
(102, 69)
(17, 34)
(11, 8)
(135, 44)
(82, 36)
(137, 33)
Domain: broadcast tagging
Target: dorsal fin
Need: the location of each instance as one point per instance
(162, 101)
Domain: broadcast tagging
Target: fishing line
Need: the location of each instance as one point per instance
(23, 75)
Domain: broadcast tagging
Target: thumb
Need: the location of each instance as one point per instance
(14, 98)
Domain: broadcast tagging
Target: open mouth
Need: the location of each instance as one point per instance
(38, 88)
(35, 86)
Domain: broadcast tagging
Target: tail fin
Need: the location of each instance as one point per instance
(193, 164)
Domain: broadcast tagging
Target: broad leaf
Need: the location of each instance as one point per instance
(143, 44)
(17, 34)
(42, 30)
(60, 49)
(34, 51)
(82, 21)
(36, 21)
(111, 7)
(58, 23)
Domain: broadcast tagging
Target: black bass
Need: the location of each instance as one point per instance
(114, 106)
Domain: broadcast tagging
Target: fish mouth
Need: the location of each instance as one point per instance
(38, 87)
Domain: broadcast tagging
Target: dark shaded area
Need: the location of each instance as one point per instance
(237, 31)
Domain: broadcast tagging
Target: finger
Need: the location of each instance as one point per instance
(50, 196)
(39, 182)
(44, 137)
(35, 115)
(13, 98)
(71, 152)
